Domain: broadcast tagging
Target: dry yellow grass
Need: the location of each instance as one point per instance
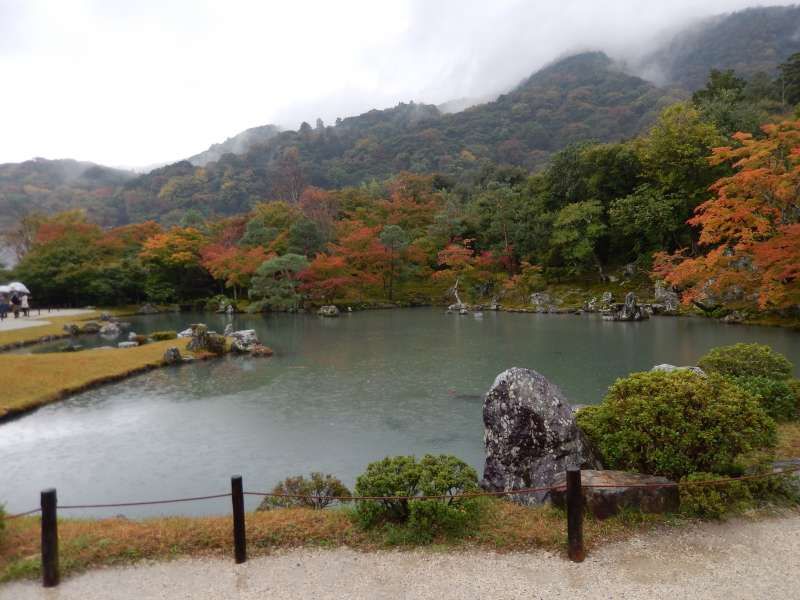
(91, 543)
(32, 380)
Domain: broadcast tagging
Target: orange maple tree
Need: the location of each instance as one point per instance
(750, 229)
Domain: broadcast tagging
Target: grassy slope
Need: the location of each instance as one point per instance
(32, 380)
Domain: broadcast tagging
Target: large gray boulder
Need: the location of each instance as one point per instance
(648, 493)
(530, 434)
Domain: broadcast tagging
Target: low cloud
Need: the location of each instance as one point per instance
(138, 83)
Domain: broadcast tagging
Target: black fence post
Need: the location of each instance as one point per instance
(575, 515)
(239, 539)
(49, 539)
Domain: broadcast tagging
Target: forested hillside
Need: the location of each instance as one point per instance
(579, 98)
(751, 41)
(56, 185)
(238, 144)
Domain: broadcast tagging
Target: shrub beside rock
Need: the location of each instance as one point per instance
(746, 360)
(762, 372)
(404, 477)
(675, 424)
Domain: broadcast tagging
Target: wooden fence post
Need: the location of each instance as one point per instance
(239, 539)
(49, 538)
(575, 515)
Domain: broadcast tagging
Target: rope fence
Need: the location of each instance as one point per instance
(572, 486)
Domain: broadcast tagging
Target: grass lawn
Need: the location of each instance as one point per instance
(54, 327)
(91, 543)
(32, 380)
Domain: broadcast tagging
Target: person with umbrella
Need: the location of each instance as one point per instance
(3, 303)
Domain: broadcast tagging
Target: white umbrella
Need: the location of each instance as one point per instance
(16, 286)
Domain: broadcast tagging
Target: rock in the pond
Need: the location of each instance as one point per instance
(72, 329)
(91, 327)
(186, 333)
(629, 311)
(104, 316)
(172, 356)
(733, 318)
(607, 298)
(127, 345)
(530, 434)
(667, 368)
(148, 309)
(228, 329)
(203, 340)
(261, 351)
(132, 336)
(328, 311)
(109, 329)
(605, 502)
(666, 296)
(244, 340)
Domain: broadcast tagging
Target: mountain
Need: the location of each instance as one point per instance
(55, 185)
(238, 144)
(578, 98)
(749, 41)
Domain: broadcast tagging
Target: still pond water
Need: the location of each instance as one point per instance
(338, 394)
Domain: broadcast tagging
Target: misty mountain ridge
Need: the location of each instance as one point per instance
(238, 144)
(576, 98)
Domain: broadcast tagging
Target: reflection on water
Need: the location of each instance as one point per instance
(338, 394)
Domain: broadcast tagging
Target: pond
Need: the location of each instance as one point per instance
(338, 394)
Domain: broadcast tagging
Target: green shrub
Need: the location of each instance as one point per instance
(317, 492)
(400, 476)
(159, 336)
(675, 424)
(713, 501)
(746, 360)
(775, 395)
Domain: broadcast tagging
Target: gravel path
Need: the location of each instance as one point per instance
(734, 560)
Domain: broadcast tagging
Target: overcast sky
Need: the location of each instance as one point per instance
(137, 82)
